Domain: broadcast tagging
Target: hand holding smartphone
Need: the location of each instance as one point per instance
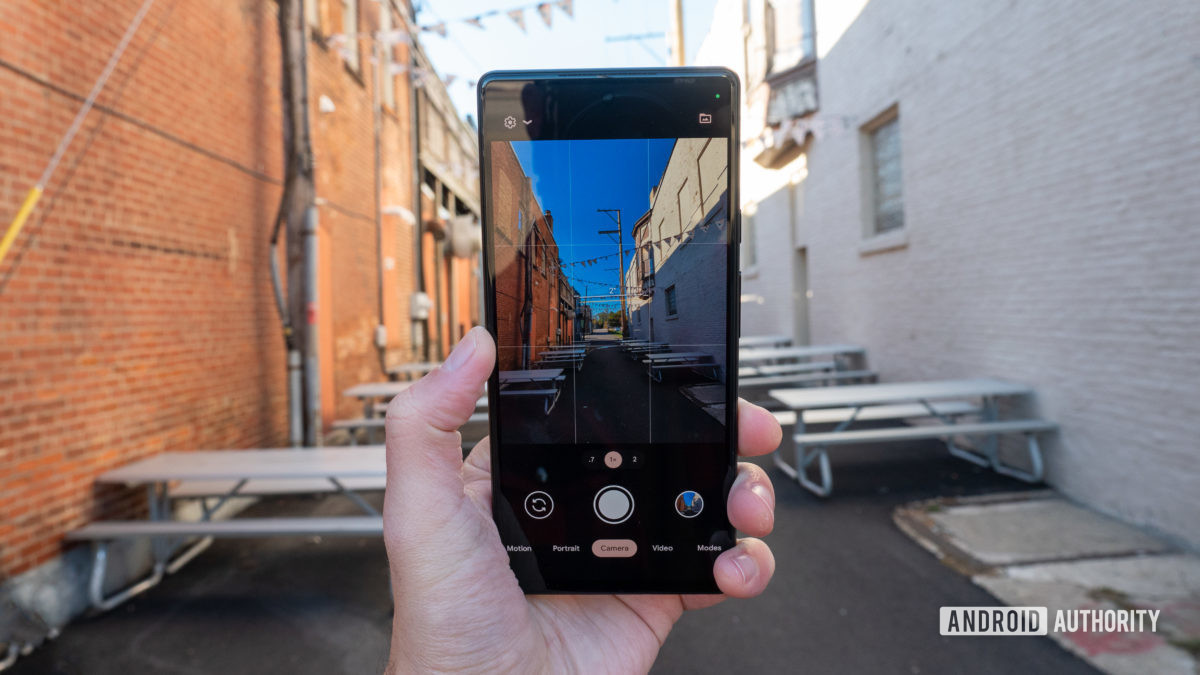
(610, 250)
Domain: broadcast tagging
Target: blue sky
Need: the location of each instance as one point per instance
(580, 42)
(572, 179)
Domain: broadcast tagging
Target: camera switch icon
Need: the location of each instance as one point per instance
(538, 505)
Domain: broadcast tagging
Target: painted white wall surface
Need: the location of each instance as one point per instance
(1051, 154)
(687, 231)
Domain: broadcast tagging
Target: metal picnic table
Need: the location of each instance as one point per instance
(369, 391)
(765, 341)
(224, 474)
(901, 401)
(572, 356)
(414, 370)
(656, 363)
(760, 355)
(512, 383)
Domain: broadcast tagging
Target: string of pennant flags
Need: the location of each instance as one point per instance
(421, 76)
(515, 14)
(590, 261)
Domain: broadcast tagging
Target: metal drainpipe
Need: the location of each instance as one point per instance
(312, 359)
(439, 264)
(419, 327)
(312, 362)
(381, 327)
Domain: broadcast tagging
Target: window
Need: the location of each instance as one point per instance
(350, 30)
(885, 183)
(312, 15)
(749, 245)
(789, 34)
(672, 308)
(385, 45)
(520, 220)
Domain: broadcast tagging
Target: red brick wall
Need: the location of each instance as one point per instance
(135, 309)
(136, 313)
(510, 195)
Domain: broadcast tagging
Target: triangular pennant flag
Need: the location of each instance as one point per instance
(439, 28)
(518, 17)
(546, 11)
(471, 84)
(476, 21)
(449, 79)
(568, 7)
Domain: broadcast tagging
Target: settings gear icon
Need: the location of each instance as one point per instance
(510, 122)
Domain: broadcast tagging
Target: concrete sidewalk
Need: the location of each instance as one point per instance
(1037, 549)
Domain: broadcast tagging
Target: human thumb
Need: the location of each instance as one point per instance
(424, 448)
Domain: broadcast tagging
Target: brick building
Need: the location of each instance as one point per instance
(676, 274)
(989, 189)
(136, 310)
(532, 310)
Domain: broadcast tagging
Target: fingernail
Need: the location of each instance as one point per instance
(746, 566)
(764, 493)
(462, 353)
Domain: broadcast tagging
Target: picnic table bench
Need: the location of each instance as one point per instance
(762, 355)
(373, 424)
(544, 382)
(945, 402)
(375, 397)
(223, 475)
(765, 341)
(771, 369)
(802, 379)
(657, 363)
(574, 357)
(638, 351)
(413, 371)
(368, 392)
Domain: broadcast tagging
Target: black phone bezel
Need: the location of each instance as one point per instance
(733, 278)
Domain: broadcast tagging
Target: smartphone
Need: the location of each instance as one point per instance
(611, 236)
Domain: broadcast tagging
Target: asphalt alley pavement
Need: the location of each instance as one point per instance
(852, 594)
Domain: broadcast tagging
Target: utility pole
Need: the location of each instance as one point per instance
(675, 45)
(621, 267)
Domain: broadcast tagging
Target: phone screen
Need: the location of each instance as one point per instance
(610, 274)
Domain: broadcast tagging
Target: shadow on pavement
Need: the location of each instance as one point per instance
(851, 594)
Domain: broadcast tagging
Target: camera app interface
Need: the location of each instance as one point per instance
(610, 260)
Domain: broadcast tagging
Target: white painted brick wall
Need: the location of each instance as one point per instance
(1051, 156)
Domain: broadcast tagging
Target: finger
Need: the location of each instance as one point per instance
(744, 570)
(758, 430)
(752, 501)
(691, 602)
(477, 475)
(478, 463)
(424, 451)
